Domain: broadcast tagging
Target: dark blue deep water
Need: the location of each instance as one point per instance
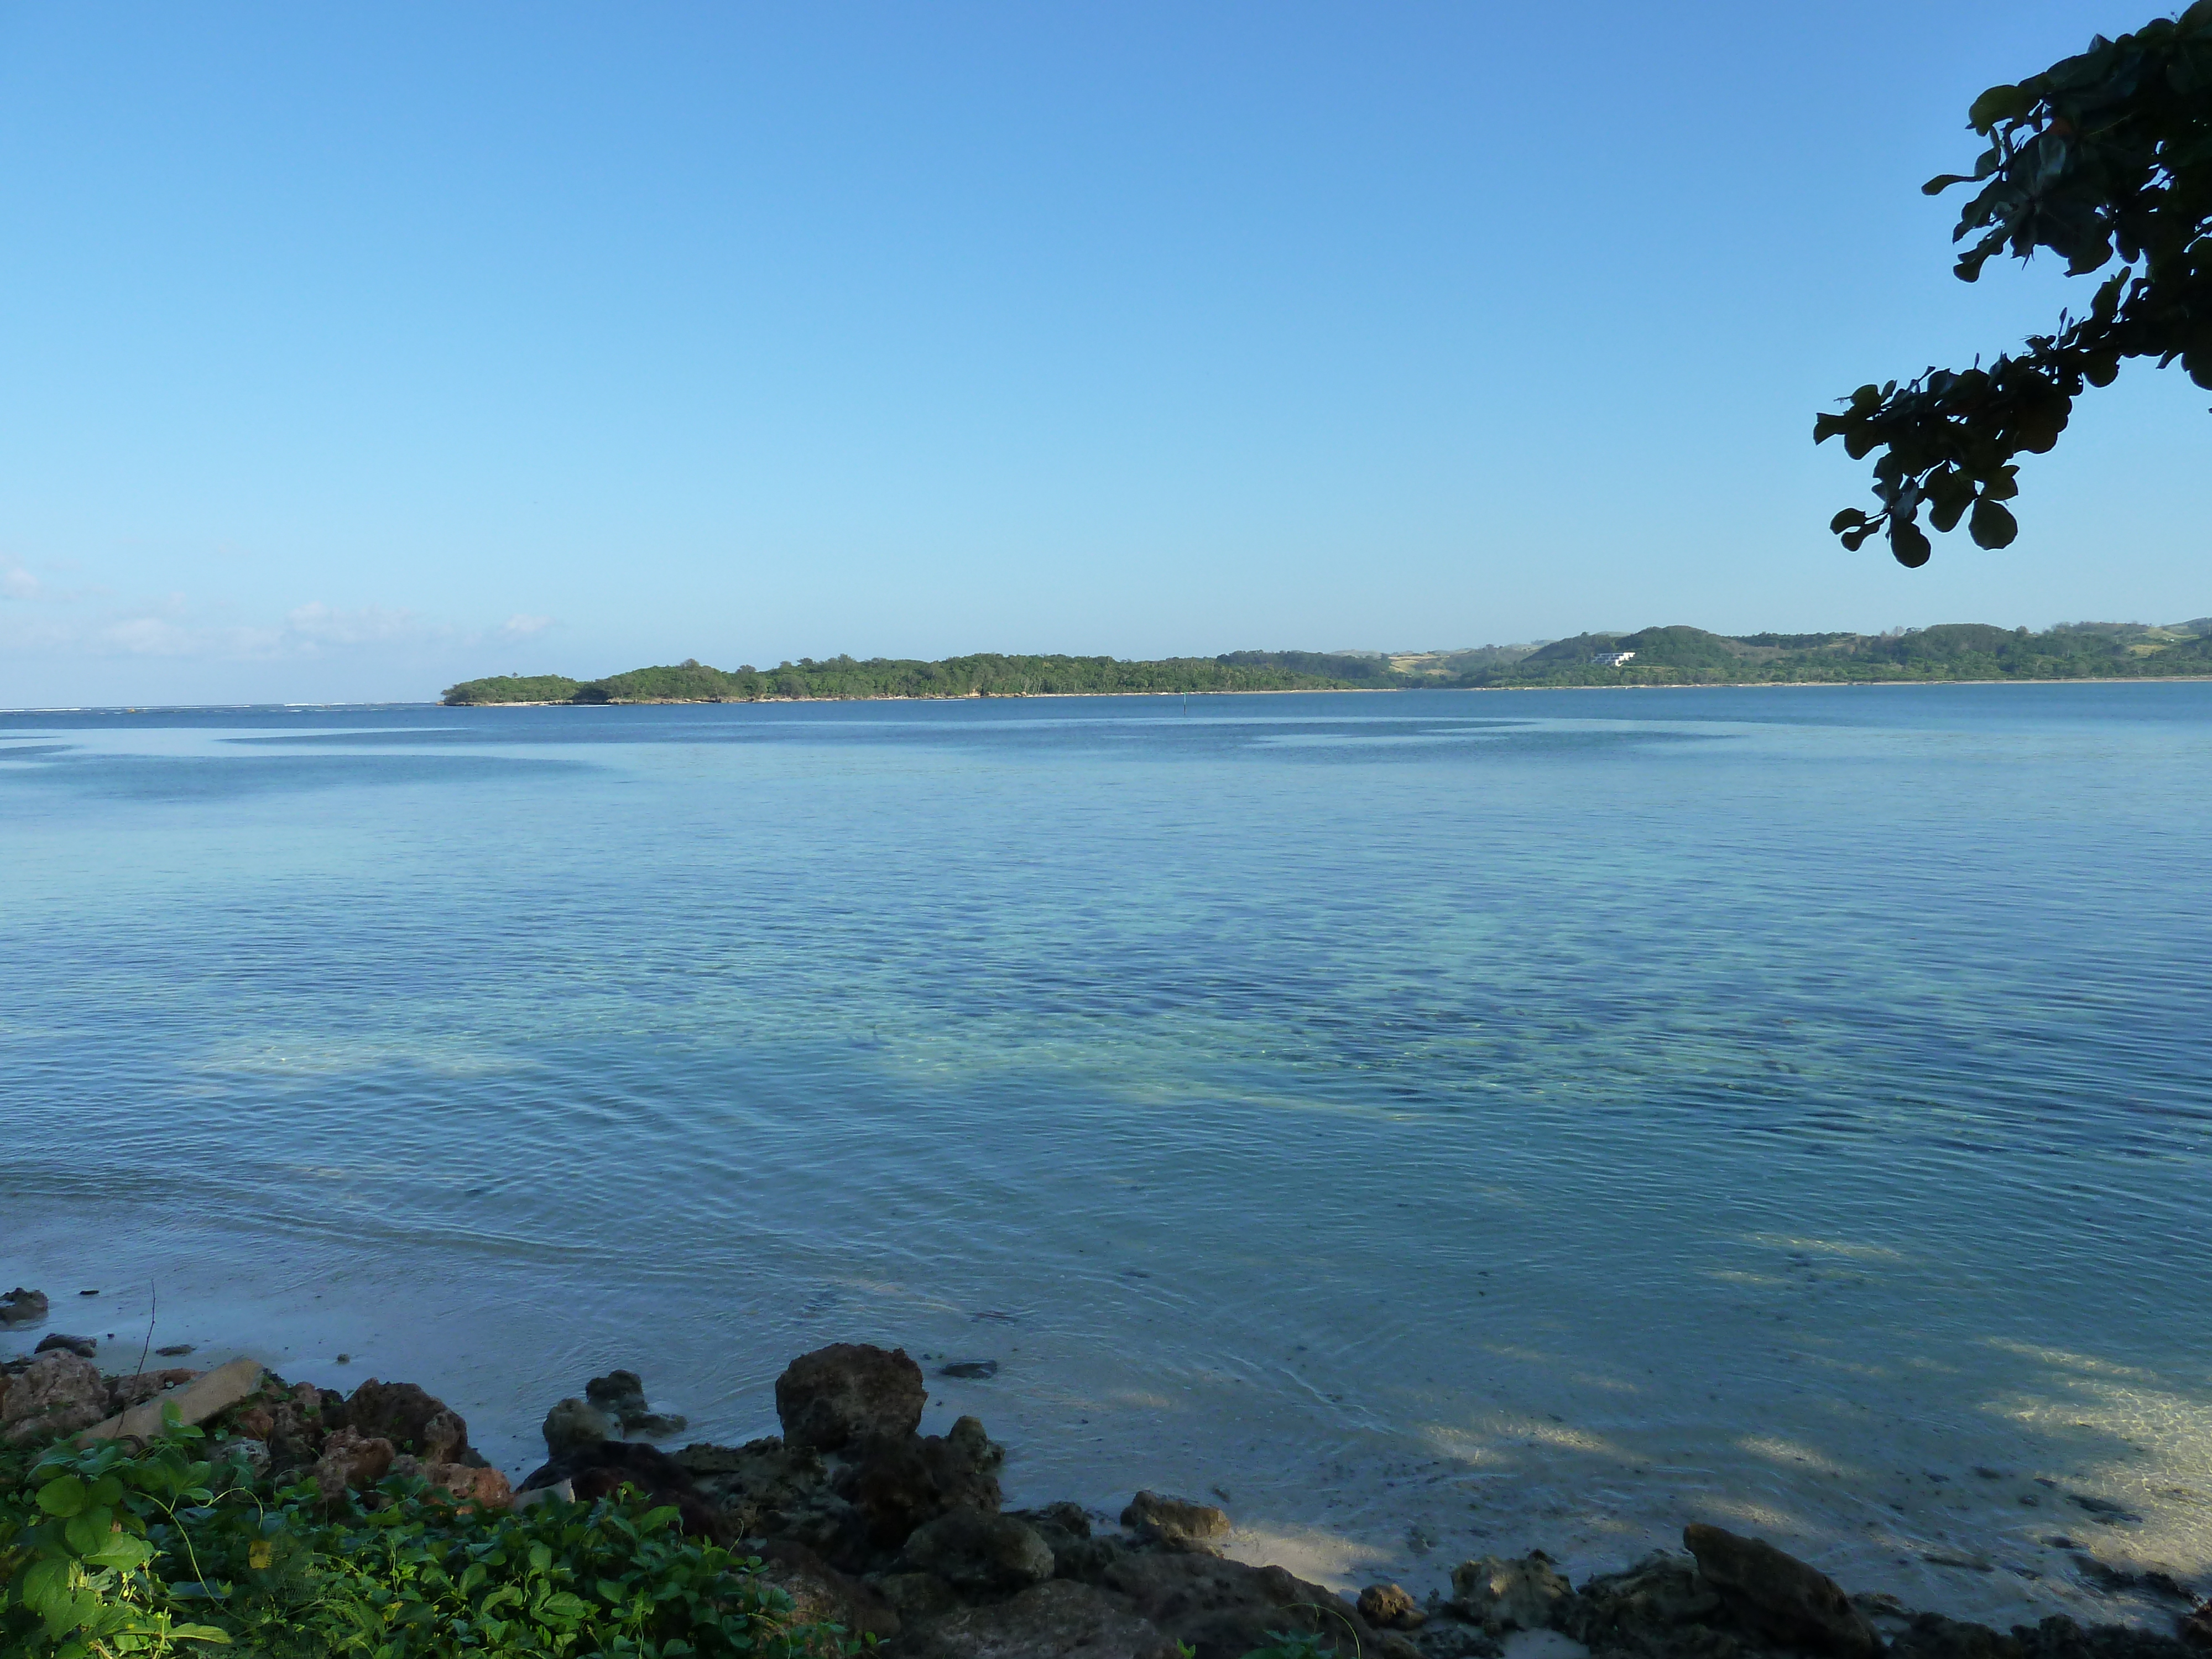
(1445, 1122)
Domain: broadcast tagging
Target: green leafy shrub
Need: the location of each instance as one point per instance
(108, 1550)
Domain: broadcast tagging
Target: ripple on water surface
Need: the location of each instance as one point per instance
(1445, 1123)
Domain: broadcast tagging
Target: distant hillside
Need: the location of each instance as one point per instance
(1673, 655)
(987, 676)
(1951, 650)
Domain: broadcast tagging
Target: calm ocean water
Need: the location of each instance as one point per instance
(1445, 1122)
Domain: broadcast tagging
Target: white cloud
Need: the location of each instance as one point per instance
(89, 623)
(147, 636)
(315, 625)
(172, 627)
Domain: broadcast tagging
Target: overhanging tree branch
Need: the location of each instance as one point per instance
(2102, 156)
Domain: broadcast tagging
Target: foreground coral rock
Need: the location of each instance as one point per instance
(1176, 1521)
(58, 1394)
(412, 1420)
(572, 1422)
(1796, 1604)
(22, 1307)
(1501, 1595)
(1391, 1606)
(850, 1392)
(1059, 1620)
(979, 1553)
(621, 1396)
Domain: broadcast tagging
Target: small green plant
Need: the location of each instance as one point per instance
(1307, 1644)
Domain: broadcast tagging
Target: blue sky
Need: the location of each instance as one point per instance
(347, 350)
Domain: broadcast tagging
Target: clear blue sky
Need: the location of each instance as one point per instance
(346, 351)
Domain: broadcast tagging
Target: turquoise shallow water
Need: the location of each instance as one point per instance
(1444, 1122)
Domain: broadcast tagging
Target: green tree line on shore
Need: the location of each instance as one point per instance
(986, 676)
(1651, 656)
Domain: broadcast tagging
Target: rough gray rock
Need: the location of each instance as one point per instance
(1500, 1593)
(84, 1347)
(1658, 1607)
(769, 1488)
(1066, 1530)
(896, 1487)
(1068, 1518)
(350, 1461)
(1931, 1636)
(982, 1453)
(1056, 1620)
(1449, 1639)
(980, 1554)
(1175, 1522)
(297, 1421)
(1391, 1606)
(413, 1420)
(1086, 1558)
(2060, 1637)
(1779, 1596)
(766, 1476)
(571, 1424)
(621, 1395)
(2196, 1626)
(823, 1595)
(22, 1307)
(1225, 1609)
(917, 1595)
(849, 1394)
(57, 1393)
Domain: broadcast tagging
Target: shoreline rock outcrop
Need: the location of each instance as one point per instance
(22, 1307)
(58, 1394)
(1795, 1605)
(904, 1537)
(850, 1392)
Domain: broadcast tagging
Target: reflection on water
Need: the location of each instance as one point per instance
(1445, 1123)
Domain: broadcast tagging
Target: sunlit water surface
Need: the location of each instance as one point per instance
(1441, 1123)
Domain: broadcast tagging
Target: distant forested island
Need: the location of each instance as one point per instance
(1650, 656)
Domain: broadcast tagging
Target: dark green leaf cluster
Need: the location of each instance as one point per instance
(2104, 155)
(110, 1550)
